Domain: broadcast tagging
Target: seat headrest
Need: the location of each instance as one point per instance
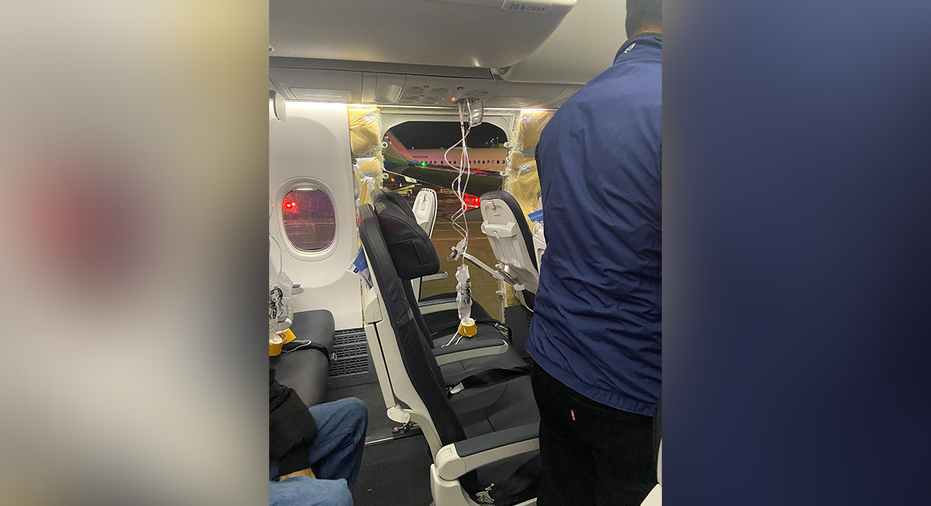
(411, 251)
(518, 213)
(379, 195)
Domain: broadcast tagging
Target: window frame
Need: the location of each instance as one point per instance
(301, 184)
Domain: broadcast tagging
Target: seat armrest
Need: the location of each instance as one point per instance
(481, 265)
(498, 274)
(469, 349)
(435, 277)
(457, 459)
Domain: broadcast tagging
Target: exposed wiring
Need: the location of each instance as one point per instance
(455, 337)
(300, 345)
(458, 186)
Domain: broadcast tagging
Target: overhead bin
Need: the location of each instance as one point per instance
(582, 47)
(463, 33)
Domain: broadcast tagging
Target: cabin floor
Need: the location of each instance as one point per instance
(395, 467)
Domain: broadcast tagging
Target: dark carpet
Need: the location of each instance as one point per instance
(395, 473)
(379, 424)
(395, 468)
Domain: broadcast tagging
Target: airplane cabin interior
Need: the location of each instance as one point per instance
(402, 267)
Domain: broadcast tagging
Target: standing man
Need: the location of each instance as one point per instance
(596, 333)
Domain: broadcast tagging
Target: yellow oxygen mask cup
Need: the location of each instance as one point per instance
(467, 327)
(278, 340)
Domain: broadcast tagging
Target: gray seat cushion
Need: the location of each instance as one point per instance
(307, 370)
(495, 408)
(455, 372)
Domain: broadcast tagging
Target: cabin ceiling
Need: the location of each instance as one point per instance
(424, 32)
(580, 49)
(396, 52)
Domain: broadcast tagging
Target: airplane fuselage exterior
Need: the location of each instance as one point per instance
(487, 159)
(483, 159)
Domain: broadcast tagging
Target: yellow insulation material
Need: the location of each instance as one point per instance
(525, 187)
(529, 128)
(365, 143)
(364, 136)
(521, 177)
(368, 175)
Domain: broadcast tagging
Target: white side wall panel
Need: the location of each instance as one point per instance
(312, 145)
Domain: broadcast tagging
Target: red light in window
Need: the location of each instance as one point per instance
(291, 206)
(471, 201)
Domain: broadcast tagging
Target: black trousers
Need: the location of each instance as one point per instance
(592, 454)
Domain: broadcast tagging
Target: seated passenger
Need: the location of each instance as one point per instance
(315, 453)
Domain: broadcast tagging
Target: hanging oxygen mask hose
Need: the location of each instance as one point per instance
(279, 298)
(470, 115)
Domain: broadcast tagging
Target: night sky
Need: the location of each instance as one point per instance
(435, 134)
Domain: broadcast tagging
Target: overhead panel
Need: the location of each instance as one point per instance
(524, 95)
(318, 85)
(405, 85)
(389, 88)
(463, 33)
(437, 91)
(581, 48)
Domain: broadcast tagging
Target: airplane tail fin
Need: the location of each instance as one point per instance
(399, 148)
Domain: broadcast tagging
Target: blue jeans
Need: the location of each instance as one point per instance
(335, 456)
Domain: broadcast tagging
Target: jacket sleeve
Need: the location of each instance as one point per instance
(291, 427)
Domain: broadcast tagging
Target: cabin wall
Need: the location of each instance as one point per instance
(312, 147)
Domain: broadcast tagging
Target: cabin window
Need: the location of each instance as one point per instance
(309, 219)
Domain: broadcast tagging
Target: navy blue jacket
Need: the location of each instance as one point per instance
(597, 323)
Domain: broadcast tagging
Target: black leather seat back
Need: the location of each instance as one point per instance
(379, 195)
(417, 356)
(384, 200)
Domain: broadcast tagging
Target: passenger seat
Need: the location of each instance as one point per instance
(413, 255)
(438, 311)
(306, 369)
(511, 240)
(472, 450)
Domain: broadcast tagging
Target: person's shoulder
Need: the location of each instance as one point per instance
(618, 89)
(643, 72)
(621, 86)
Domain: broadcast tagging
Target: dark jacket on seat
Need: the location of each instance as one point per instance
(291, 428)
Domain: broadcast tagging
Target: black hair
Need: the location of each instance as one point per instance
(643, 15)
